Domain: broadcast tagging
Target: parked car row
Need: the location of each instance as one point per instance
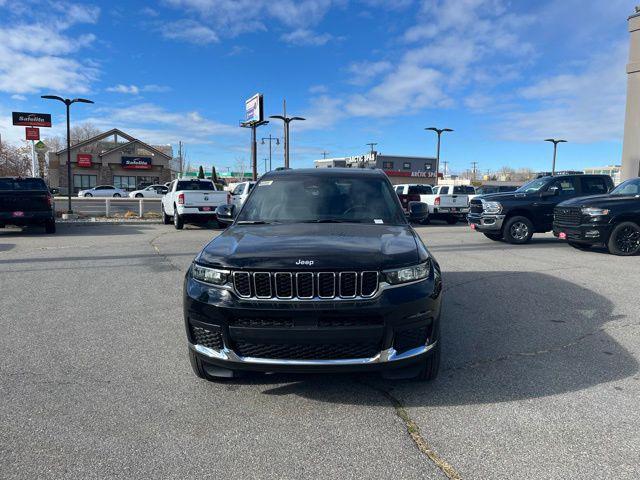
(583, 210)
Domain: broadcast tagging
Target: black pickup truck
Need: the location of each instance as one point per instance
(320, 271)
(516, 216)
(26, 201)
(612, 220)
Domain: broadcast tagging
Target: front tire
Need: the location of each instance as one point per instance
(87, 195)
(50, 226)
(625, 239)
(178, 222)
(166, 219)
(452, 220)
(116, 195)
(518, 230)
(139, 195)
(496, 237)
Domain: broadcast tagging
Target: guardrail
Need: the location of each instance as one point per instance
(108, 206)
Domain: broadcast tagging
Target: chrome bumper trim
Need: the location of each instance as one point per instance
(385, 356)
(487, 222)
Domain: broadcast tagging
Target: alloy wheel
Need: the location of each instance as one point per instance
(519, 230)
(628, 240)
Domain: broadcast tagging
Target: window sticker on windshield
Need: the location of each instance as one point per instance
(377, 220)
(266, 183)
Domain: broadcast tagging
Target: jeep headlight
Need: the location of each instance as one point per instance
(213, 276)
(408, 274)
(595, 212)
(492, 207)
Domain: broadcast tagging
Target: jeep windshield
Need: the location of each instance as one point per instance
(322, 199)
(533, 186)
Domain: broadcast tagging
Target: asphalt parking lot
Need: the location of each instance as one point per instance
(540, 375)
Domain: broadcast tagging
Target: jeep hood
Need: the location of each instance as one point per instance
(291, 246)
(598, 201)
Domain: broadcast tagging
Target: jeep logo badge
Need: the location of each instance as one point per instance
(305, 262)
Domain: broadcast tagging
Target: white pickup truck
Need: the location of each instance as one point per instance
(191, 201)
(448, 202)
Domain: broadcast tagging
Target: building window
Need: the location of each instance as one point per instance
(387, 165)
(126, 183)
(83, 182)
(406, 166)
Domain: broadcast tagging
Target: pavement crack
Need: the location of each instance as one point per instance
(156, 249)
(416, 435)
(534, 353)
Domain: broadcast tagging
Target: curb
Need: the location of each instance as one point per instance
(83, 223)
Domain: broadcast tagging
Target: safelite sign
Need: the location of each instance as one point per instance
(136, 163)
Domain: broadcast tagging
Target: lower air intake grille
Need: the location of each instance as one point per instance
(207, 338)
(410, 338)
(335, 351)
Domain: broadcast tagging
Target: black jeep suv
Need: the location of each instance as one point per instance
(516, 216)
(612, 220)
(319, 271)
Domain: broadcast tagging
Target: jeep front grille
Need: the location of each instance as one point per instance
(305, 285)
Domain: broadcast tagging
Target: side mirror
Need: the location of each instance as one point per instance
(418, 212)
(54, 191)
(226, 213)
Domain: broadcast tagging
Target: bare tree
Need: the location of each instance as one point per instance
(15, 161)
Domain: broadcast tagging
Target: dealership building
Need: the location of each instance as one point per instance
(112, 158)
(399, 169)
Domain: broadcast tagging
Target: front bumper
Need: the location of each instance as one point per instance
(397, 327)
(485, 222)
(589, 233)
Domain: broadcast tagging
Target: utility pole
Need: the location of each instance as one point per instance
(475, 169)
(555, 152)
(324, 155)
(371, 145)
(270, 138)
(180, 158)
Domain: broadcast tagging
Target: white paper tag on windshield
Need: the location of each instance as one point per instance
(377, 220)
(266, 183)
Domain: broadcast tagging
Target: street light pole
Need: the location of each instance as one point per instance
(68, 103)
(555, 152)
(439, 131)
(270, 138)
(286, 120)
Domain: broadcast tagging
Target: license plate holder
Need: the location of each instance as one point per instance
(473, 226)
(206, 209)
(562, 236)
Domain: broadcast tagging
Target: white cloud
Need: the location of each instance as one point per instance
(315, 89)
(136, 90)
(362, 73)
(20, 98)
(155, 124)
(303, 36)
(190, 31)
(229, 18)
(584, 105)
(36, 56)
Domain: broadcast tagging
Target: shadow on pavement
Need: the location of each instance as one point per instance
(70, 230)
(506, 336)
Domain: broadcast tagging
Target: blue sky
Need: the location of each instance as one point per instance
(504, 74)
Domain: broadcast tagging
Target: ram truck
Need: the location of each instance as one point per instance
(191, 201)
(612, 220)
(26, 202)
(515, 217)
(319, 272)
